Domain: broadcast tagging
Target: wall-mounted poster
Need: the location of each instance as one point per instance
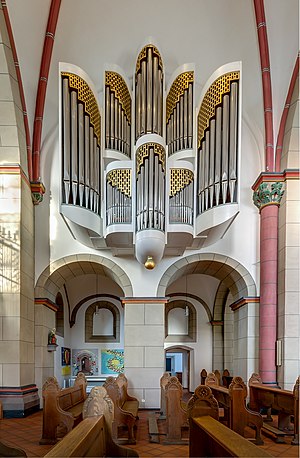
(65, 361)
(112, 361)
(85, 361)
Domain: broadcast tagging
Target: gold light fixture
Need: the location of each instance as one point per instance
(149, 264)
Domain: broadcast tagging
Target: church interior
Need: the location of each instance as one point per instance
(149, 215)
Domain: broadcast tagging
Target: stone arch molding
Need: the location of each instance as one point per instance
(58, 272)
(230, 272)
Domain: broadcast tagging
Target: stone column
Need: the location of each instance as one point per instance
(218, 345)
(144, 356)
(267, 196)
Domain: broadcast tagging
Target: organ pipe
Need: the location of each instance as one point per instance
(233, 139)
(81, 151)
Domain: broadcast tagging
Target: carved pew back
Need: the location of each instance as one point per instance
(233, 399)
(284, 401)
(176, 416)
(163, 382)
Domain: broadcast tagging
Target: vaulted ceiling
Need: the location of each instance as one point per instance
(209, 33)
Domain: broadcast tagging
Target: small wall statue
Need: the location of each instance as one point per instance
(52, 337)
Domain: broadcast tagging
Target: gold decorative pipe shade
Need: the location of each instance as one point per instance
(143, 55)
(212, 99)
(117, 84)
(120, 179)
(177, 89)
(143, 152)
(86, 96)
(179, 179)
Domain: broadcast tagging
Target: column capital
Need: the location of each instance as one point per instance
(37, 191)
(268, 193)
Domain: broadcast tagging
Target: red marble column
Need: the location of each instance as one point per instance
(268, 292)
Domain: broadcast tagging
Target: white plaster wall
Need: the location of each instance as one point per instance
(246, 340)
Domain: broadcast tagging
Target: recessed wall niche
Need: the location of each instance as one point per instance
(102, 322)
(180, 315)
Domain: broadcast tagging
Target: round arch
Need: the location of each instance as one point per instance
(58, 272)
(230, 272)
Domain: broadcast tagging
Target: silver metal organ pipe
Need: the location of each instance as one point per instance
(108, 203)
(233, 139)
(177, 127)
(146, 193)
(81, 152)
(225, 150)
(66, 138)
(142, 175)
(159, 102)
(74, 150)
(138, 202)
(206, 167)
(87, 159)
(112, 120)
(202, 175)
(97, 175)
(124, 134)
(212, 148)
(171, 143)
(116, 135)
(155, 97)
(143, 98)
(156, 191)
(92, 169)
(149, 91)
(138, 106)
(151, 180)
(218, 153)
(199, 178)
(185, 120)
(120, 127)
(107, 117)
(181, 122)
(190, 116)
(128, 139)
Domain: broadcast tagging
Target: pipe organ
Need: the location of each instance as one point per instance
(149, 93)
(157, 182)
(80, 144)
(181, 206)
(218, 144)
(179, 113)
(117, 114)
(150, 191)
(118, 197)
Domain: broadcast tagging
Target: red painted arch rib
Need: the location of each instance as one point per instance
(42, 87)
(266, 82)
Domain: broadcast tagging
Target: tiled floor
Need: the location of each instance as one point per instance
(26, 432)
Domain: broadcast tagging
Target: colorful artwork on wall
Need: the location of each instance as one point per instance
(85, 361)
(65, 361)
(112, 361)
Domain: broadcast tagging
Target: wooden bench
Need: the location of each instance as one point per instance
(8, 451)
(176, 413)
(125, 406)
(93, 436)
(163, 382)
(62, 408)
(285, 402)
(233, 400)
(208, 437)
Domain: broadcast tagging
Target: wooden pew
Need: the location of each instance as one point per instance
(125, 407)
(285, 402)
(62, 408)
(233, 400)
(163, 382)
(8, 451)
(93, 436)
(226, 378)
(203, 375)
(176, 413)
(208, 437)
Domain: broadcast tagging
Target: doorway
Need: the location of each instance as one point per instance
(177, 363)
